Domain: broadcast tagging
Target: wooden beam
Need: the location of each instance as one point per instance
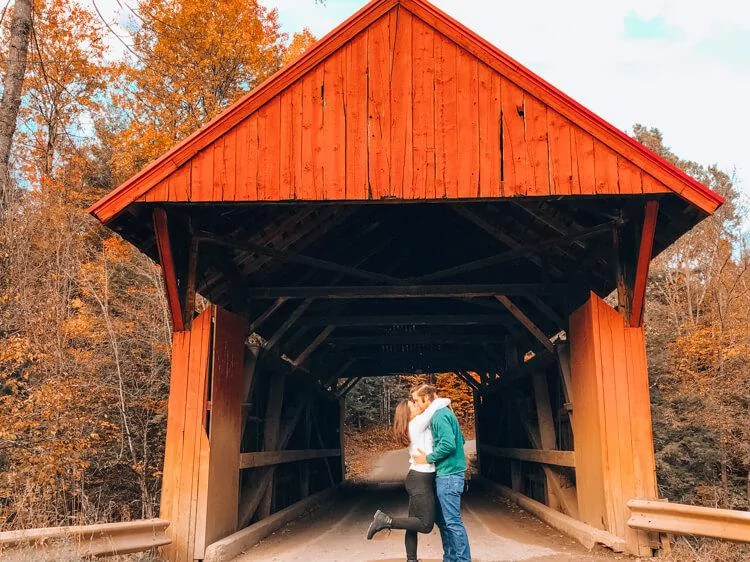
(272, 458)
(550, 312)
(168, 269)
(321, 337)
(293, 317)
(587, 535)
(526, 321)
(563, 364)
(253, 494)
(645, 250)
(467, 378)
(540, 456)
(499, 235)
(415, 339)
(258, 322)
(566, 497)
(271, 432)
(188, 310)
(338, 374)
(251, 362)
(545, 423)
(521, 252)
(348, 386)
(408, 319)
(290, 257)
(405, 291)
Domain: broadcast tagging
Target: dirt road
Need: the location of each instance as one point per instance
(498, 531)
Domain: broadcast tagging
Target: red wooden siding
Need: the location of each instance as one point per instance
(401, 111)
(612, 420)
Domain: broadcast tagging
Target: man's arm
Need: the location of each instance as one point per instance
(444, 440)
(422, 421)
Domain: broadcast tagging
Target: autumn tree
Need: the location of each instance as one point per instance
(699, 350)
(190, 59)
(15, 70)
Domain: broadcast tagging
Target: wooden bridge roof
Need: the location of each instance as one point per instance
(401, 101)
(514, 190)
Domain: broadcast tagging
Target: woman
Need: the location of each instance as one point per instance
(412, 429)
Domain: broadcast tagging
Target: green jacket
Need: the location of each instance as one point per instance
(448, 444)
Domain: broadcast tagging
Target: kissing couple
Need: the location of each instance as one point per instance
(435, 481)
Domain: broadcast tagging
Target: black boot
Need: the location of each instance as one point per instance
(380, 521)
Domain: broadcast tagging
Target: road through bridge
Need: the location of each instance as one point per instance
(498, 529)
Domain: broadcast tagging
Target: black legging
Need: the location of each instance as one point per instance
(421, 489)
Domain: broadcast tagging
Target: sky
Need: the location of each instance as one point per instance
(680, 65)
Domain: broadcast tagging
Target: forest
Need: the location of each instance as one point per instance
(84, 327)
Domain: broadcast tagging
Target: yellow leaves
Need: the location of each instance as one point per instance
(116, 249)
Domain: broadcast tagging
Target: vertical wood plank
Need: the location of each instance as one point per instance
(269, 165)
(584, 154)
(489, 132)
(401, 128)
(423, 77)
(202, 175)
(561, 158)
(467, 115)
(286, 144)
(295, 92)
(584, 364)
(227, 381)
(271, 432)
(629, 177)
(517, 171)
(616, 456)
(228, 167)
(546, 423)
(651, 185)
(538, 148)
(187, 504)
(173, 449)
(605, 168)
(247, 159)
(446, 138)
(379, 107)
(334, 128)
(311, 83)
(179, 184)
(355, 103)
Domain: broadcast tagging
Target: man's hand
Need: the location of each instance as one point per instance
(420, 458)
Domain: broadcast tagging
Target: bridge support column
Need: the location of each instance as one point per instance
(200, 484)
(612, 420)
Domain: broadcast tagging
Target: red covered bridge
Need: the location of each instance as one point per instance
(407, 198)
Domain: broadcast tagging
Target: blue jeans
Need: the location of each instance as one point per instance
(448, 518)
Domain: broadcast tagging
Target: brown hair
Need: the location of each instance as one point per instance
(401, 423)
(425, 390)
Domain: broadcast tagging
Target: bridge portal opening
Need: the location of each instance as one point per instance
(405, 198)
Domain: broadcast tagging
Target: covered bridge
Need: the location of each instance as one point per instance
(405, 198)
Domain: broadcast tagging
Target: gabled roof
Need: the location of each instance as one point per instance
(627, 150)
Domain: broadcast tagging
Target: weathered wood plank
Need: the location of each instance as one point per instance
(401, 125)
(379, 107)
(540, 456)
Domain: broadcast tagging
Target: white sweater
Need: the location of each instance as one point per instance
(420, 434)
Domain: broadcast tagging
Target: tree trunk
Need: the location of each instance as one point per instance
(20, 31)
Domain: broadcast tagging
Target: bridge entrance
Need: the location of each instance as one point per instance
(405, 198)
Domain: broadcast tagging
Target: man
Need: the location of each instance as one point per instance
(450, 466)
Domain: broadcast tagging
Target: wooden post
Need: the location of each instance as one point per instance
(304, 477)
(271, 432)
(546, 427)
(200, 485)
(342, 436)
(612, 422)
(477, 397)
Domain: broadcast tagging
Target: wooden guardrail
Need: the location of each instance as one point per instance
(268, 458)
(682, 519)
(92, 540)
(542, 456)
